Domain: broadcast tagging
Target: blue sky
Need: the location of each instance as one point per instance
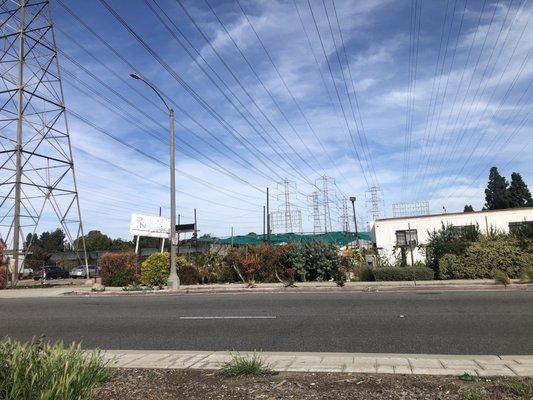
(426, 124)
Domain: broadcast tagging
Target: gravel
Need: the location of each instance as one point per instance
(147, 384)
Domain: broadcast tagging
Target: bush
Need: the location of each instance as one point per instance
(3, 277)
(38, 370)
(365, 274)
(448, 240)
(483, 258)
(321, 261)
(155, 270)
(212, 268)
(188, 274)
(119, 269)
(403, 273)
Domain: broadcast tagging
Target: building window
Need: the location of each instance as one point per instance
(408, 237)
(523, 228)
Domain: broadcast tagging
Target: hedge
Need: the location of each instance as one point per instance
(119, 269)
(403, 273)
(483, 258)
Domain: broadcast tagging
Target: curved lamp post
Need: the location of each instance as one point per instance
(173, 280)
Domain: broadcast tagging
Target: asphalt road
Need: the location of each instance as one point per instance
(499, 322)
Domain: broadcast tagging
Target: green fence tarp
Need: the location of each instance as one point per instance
(338, 238)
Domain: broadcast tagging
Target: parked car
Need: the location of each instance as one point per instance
(79, 272)
(50, 272)
(25, 273)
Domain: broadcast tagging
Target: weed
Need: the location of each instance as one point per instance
(467, 377)
(521, 389)
(475, 395)
(245, 365)
(501, 278)
(39, 370)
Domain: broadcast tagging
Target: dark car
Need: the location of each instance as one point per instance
(79, 272)
(50, 273)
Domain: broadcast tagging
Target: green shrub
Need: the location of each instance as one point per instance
(365, 274)
(486, 256)
(119, 269)
(403, 273)
(527, 274)
(40, 371)
(155, 270)
(244, 365)
(321, 261)
(448, 240)
(501, 278)
(213, 268)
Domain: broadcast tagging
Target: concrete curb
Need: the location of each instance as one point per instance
(309, 289)
(410, 364)
(305, 287)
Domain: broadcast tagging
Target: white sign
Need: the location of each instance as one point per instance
(148, 225)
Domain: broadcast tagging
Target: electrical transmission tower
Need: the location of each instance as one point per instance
(374, 198)
(327, 199)
(37, 178)
(288, 218)
(344, 216)
(315, 212)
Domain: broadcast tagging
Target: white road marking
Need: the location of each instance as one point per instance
(235, 317)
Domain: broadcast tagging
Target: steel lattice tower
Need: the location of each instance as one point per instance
(344, 217)
(37, 178)
(288, 218)
(315, 212)
(327, 200)
(374, 198)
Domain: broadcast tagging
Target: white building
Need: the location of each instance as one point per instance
(389, 234)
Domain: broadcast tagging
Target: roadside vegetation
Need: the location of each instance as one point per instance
(38, 370)
(245, 365)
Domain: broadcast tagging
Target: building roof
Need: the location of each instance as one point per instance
(456, 213)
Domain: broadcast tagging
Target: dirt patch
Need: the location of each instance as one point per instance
(148, 384)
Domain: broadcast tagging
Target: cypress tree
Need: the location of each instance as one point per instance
(496, 194)
(519, 194)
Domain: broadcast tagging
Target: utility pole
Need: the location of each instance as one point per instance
(352, 199)
(264, 223)
(173, 279)
(268, 216)
(178, 244)
(195, 233)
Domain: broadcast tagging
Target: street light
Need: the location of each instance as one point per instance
(352, 199)
(173, 280)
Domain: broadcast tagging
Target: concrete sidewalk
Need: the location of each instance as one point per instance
(411, 364)
(301, 287)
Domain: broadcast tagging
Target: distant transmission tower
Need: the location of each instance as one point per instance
(374, 198)
(345, 216)
(288, 218)
(327, 199)
(315, 212)
(36, 165)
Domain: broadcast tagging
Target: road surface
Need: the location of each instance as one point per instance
(499, 322)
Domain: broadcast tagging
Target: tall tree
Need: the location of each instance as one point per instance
(519, 194)
(496, 194)
(468, 208)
